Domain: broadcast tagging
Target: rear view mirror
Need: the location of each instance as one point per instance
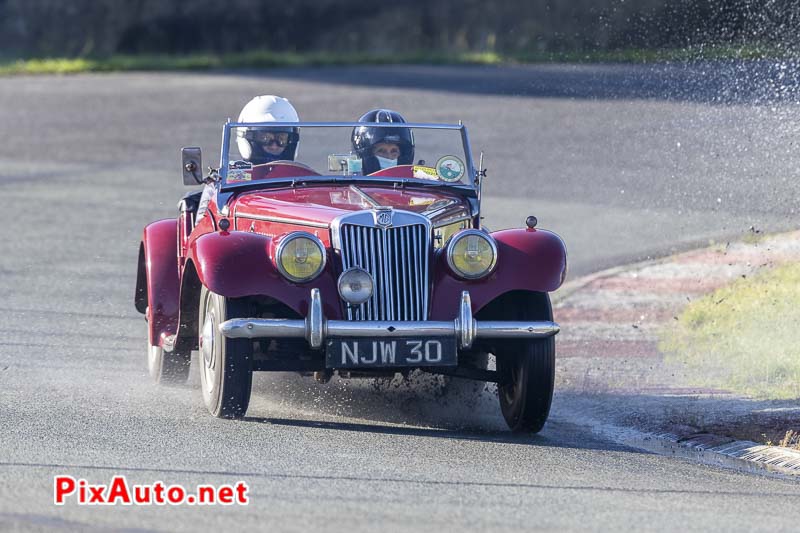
(192, 165)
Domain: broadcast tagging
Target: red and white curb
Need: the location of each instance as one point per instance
(740, 455)
(609, 342)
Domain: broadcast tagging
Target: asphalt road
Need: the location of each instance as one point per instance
(624, 162)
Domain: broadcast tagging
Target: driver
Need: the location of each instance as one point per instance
(265, 145)
(261, 145)
(380, 147)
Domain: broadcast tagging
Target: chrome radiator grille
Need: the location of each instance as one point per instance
(397, 258)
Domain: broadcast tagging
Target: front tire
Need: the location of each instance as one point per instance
(526, 368)
(526, 386)
(226, 373)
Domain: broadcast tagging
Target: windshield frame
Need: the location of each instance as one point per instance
(229, 126)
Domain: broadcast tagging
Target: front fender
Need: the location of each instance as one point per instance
(237, 263)
(158, 271)
(527, 259)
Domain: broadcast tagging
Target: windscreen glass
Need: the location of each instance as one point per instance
(268, 152)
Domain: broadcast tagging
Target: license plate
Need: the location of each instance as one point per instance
(381, 353)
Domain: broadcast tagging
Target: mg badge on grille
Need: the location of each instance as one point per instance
(383, 217)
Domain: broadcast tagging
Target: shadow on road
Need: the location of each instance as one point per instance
(421, 407)
(555, 434)
(438, 433)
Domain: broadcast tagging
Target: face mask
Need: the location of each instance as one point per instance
(386, 163)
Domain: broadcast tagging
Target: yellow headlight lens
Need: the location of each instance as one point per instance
(472, 254)
(301, 258)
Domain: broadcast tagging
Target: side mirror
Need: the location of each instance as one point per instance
(192, 164)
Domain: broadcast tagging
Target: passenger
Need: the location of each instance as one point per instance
(381, 147)
(261, 145)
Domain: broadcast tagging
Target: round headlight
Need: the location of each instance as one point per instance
(471, 254)
(300, 256)
(355, 286)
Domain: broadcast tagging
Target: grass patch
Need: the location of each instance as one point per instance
(743, 337)
(257, 59)
(267, 59)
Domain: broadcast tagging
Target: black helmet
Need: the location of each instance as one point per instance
(365, 137)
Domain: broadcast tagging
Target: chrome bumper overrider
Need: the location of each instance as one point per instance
(316, 328)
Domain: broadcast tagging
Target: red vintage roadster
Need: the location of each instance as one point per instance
(310, 266)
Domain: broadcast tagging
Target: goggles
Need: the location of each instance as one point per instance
(280, 139)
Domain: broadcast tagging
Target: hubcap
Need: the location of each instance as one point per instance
(207, 341)
(207, 348)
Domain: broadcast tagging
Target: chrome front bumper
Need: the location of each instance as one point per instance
(316, 328)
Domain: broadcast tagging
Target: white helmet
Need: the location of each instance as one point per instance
(267, 108)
